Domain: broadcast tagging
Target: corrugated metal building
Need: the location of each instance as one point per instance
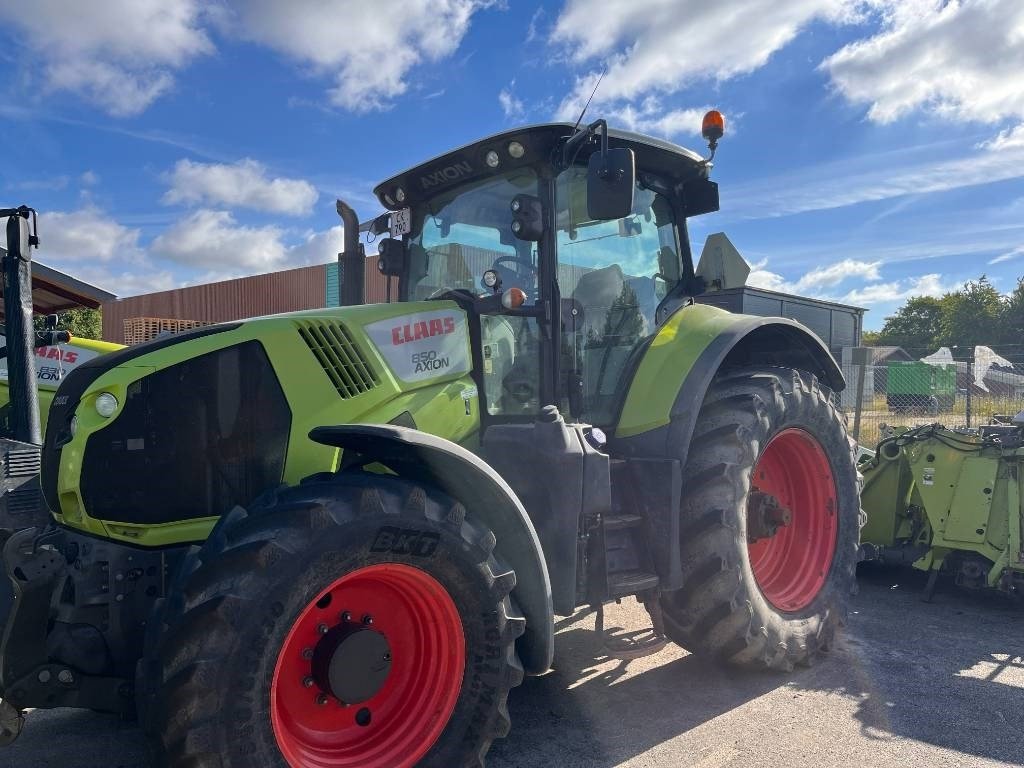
(839, 325)
(286, 291)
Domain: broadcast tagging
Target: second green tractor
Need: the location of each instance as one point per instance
(339, 538)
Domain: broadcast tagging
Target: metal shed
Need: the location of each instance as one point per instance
(838, 325)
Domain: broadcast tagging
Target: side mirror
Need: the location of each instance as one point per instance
(611, 179)
(527, 218)
(391, 257)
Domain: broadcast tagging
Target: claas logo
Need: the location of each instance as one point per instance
(53, 353)
(422, 330)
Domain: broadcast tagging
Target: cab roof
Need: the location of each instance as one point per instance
(540, 142)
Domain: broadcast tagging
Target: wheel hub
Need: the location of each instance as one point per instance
(351, 662)
(765, 515)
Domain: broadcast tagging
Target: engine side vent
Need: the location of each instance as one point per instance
(340, 357)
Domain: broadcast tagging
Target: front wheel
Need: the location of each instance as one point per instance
(770, 522)
(353, 621)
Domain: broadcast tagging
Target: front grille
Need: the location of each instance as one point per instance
(338, 354)
(192, 440)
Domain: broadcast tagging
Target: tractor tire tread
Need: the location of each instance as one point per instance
(218, 586)
(715, 613)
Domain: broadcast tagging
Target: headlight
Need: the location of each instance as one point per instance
(106, 405)
(492, 159)
(74, 425)
(516, 150)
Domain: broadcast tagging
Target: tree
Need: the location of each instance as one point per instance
(914, 326)
(82, 322)
(1013, 315)
(971, 316)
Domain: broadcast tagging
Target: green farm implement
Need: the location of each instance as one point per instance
(944, 499)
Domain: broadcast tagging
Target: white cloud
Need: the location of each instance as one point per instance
(898, 290)
(650, 47)
(535, 21)
(214, 241)
(243, 184)
(821, 282)
(1011, 138)
(817, 281)
(85, 236)
(119, 54)
(760, 277)
(127, 282)
(831, 186)
(318, 247)
(651, 117)
(89, 244)
(834, 274)
(368, 49)
(1008, 256)
(513, 108)
(960, 60)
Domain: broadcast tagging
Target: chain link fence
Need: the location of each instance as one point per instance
(954, 386)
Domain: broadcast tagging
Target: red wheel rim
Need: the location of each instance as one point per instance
(409, 711)
(791, 566)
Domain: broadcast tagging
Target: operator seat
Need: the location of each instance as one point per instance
(612, 325)
(596, 291)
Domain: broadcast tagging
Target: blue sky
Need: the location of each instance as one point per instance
(875, 148)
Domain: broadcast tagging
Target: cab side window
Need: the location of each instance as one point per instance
(614, 273)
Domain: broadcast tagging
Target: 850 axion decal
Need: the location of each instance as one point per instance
(423, 345)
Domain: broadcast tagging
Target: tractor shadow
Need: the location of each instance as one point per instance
(948, 674)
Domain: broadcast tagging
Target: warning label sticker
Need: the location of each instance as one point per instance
(423, 345)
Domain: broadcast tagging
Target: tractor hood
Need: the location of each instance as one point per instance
(231, 406)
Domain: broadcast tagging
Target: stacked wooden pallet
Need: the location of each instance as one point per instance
(140, 329)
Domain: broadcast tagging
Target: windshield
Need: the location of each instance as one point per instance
(456, 237)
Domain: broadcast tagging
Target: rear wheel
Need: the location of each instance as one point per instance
(354, 620)
(770, 522)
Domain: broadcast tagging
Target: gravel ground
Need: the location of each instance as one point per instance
(911, 684)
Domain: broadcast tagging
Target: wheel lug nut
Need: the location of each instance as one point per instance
(387, 657)
(307, 682)
(307, 653)
(322, 699)
(322, 629)
(367, 619)
(346, 616)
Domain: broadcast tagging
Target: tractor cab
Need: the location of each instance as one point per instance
(569, 246)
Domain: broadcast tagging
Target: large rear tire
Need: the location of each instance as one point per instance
(770, 523)
(353, 620)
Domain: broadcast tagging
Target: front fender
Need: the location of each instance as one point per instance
(429, 459)
(698, 340)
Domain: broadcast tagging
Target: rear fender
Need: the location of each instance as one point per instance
(693, 345)
(432, 460)
(660, 411)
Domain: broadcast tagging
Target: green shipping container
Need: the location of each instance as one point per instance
(920, 385)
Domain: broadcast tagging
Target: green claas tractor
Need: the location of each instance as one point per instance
(340, 537)
(948, 499)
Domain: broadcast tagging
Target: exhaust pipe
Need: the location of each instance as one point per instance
(352, 260)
